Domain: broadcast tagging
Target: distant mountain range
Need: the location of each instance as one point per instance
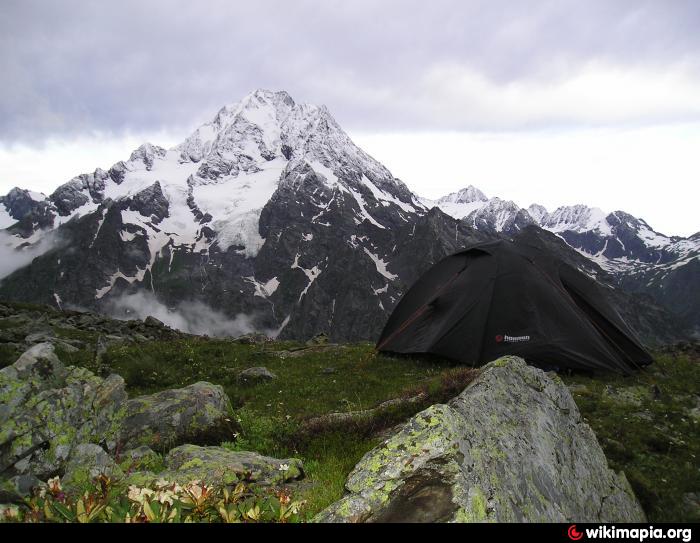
(640, 259)
(270, 218)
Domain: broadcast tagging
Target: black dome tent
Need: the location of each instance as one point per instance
(501, 298)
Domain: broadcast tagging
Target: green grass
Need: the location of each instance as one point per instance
(360, 379)
(329, 458)
(649, 435)
(8, 324)
(74, 333)
(655, 443)
(270, 413)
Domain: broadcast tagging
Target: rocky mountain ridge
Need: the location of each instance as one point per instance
(638, 259)
(268, 218)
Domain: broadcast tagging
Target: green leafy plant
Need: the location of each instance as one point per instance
(162, 502)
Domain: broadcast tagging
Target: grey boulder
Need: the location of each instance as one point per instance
(217, 465)
(255, 375)
(47, 409)
(18, 487)
(512, 447)
(199, 413)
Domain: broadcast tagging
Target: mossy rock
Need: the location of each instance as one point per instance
(47, 409)
(200, 413)
(512, 447)
(217, 465)
(87, 462)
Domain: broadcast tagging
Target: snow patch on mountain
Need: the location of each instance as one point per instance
(6, 219)
(235, 203)
(99, 226)
(381, 265)
(36, 196)
(311, 274)
(364, 214)
(461, 210)
(577, 218)
(264, 290)
(101, 292)
(383, 290)
(332, 180)
(387, 199)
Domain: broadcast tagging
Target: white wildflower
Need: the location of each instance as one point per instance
(139, 495)
(54, 484)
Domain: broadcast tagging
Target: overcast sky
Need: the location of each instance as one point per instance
(556, 102)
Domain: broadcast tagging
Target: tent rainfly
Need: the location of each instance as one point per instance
(500, 298)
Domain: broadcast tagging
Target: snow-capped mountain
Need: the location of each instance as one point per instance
(269, 211)
(227, 170)
(491, 215)
(640, 259)
(269, 217)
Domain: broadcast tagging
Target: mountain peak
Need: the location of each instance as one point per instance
(466, 195)
(537, 212)
(266, 96)
(267, 126)
(577, 218)
(262, 106)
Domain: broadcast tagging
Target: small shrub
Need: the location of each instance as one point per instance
(163, 502)
(454, 381)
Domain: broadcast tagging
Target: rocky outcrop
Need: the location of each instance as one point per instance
(512, 447)
(22, 327)
(47, 409)
(151, 202)
(30, 210)
(219, 465)
(65, 421)
(198, 413)
(271, 211)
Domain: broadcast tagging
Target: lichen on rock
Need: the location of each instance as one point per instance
(48, 409)
(88, 461)
(200, 413)
(67, 421)
(512, 447)
(217, 465)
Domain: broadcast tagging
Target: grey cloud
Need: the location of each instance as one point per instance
(14, 257)
(71, 67)
(192, 317)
